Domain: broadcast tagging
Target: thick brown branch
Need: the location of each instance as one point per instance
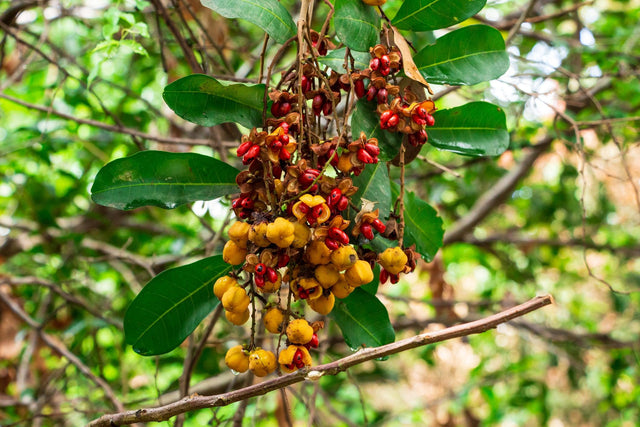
(199, 402)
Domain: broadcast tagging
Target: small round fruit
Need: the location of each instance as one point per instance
(237, 318)
(281, 232)
(318, 253)
(294, 357)
(393, 260)
(262, 362)
(299, 331)
(273, 320)
(327, 275)
(223, 284)
(342, 288)
(236, 300)
(233, 254)
(323, 304)
(301, 235)
(239, 233)
(359, 274)
(270, 287)
(258, 234)
(237, 359)
(344, 257)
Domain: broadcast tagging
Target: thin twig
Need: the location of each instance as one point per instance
(333, 368)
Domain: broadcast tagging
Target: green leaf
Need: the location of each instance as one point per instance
(426, 15)
(357, 25)
(363, 320)
(206, 101)
(166, 180)
(365, 119)
(423, 227)
(473, 129)
(466, 56)
(373, 185)
(335, 60)
(172, 305)
(269, 15)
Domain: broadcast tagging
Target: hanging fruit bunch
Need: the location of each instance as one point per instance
(299, 237)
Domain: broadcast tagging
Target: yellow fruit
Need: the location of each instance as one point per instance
(306, 288)
(327, 275)
(233, 254)
(344, 257)
(239, 233)
(237, 359)
(318, 253)
(359, 274)
(237, 318)
(258, 234)
(312, 201)
(342, 289)
(262, 362)
(273, 320)
(301, 234)
(236, 300)
(223, 284)
(281, 232)
(324, 303)
(393, 260)
(286, 358)
(299, 331)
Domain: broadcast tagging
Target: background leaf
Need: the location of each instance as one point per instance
(373, 185)
(335, 59)
(206, 101)
(363, 320)
(423, 227)
(172, 305)
(474, 129)
(425, 15)
(357, 25)
(364, 119)
(166, 180)
(269, 15)
(466, 56)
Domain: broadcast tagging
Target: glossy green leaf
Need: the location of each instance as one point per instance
(423, 226)
(363, 320)
(473, 129)
(357, 25)
(206, 101)
(166, 180)
(426, 15)
(269, 15)
(373, 186)
(365, 119)
(466, 56)
(172, 305)
(335, 60)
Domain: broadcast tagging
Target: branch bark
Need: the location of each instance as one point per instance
(195, 402)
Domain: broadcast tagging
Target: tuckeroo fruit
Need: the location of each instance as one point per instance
(237, 359)
(233, 254)
(237, 318)
(359, 274)
(223, 284)
(393, 260)
(273, 320)
(236, 300)
(299, 331)
(262, 362)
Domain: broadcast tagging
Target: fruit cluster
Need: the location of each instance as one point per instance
(298, 236)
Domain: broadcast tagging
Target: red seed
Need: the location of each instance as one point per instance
(315, 342)
(394, 278)
(382, 96)
(419, 120)
(385, 117)
(243, 148)
(374, 64)
(306, 179)
(236, 203)
(334, 197)
(283, 260)
(271, 275)
(359, 88)
(276, 146)
(372, 149)
(244, 214)
(285, 127)
(252, 153)
(305, 82)
(393, 121)
(284, 154)
(384, 276)
(430, 120)
(327, 108)
(317, 102)
(247, 203)
(371, 93)
(367, 232)
(317, 211)
(331, 244)
(364, 156)
(259, 281)
(276, 110)
(304, 208)
(385, 71)
(285, 107)
(343, 203)
(384, 61)
(378, 225)
(260, 269)
(284, 139)
(420, 111)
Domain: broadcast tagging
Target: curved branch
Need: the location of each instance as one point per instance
(195, 402)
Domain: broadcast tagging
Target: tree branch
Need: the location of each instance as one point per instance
(200, 402)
